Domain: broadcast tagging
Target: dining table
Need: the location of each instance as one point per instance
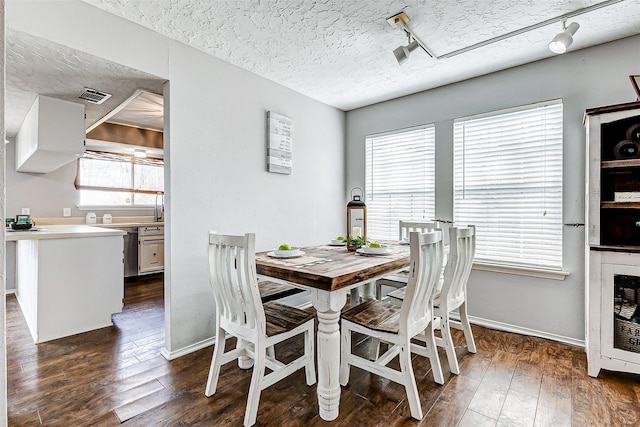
(329, 272)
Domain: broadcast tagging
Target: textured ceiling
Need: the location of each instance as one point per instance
(38, 67)
(338, 52)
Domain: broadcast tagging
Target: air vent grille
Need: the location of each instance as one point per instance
(94, 96)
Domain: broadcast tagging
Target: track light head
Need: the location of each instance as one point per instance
(402, 53)
(563, 40)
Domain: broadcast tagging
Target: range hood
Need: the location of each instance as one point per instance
(51, 135)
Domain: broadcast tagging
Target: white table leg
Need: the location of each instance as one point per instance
(328, 306)
(368, 291)
(244, 362)
(354, 297)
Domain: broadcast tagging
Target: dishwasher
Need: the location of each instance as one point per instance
(150, 249)
(131, 251)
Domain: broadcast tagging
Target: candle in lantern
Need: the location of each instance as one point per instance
(357, 232)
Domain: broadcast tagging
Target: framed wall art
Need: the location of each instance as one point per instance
(279, 143)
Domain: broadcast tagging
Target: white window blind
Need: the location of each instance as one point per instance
(399, 179)
(117, 179)
(508, 182)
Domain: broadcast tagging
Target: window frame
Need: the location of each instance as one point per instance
(124, 158)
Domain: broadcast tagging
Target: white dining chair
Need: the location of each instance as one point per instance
(453, 293)
(257, 327)
(396, 326)
(399, 279)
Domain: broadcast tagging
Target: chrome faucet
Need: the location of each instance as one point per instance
(159, 207)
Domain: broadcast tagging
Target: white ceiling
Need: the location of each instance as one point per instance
(338, 52)
(35, 66)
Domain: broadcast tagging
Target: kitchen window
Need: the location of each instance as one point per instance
(109, 179)
(508, 182)
(399, 179)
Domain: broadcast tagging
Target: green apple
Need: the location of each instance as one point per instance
(341, 238)
(284, 247)
(374, 245)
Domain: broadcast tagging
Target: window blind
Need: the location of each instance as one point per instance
(399, 179)
(119, 173)
(508, 182)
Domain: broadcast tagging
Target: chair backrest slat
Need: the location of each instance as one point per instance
(406, 227)
(461, 253)
(424, 271)
(234, 280)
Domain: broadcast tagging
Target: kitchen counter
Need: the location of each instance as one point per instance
(129, 224)
(61, 232)
(143, 246)
(69, 278)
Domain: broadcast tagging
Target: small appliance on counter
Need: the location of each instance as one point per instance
(22, 222)
(91, 218)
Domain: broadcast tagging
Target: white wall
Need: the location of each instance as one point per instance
(588, 78)
(46, 194)
(3, 341)
(215, 174)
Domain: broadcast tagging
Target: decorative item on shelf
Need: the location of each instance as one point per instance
(627, 149)
(356, 221)
(635, 82)
(626, 315)
(633, 133)
(626, 196)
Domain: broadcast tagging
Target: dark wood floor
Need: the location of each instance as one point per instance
(115, 374)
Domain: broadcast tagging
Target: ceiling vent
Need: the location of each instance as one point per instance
(94, 96)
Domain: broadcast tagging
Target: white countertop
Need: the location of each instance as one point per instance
(130, 224)
(62, 232)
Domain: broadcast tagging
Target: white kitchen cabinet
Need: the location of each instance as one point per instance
(613, 343)
(150, 249)
(612, 253)
(69, 279)
(51, 135)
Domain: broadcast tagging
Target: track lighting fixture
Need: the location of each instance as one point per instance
(401, 20)
(402, 53)
(563, 40)
(559, 44)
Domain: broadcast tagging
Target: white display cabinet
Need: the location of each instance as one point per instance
(612, 256)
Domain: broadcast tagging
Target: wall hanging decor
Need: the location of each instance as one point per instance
(279, 143)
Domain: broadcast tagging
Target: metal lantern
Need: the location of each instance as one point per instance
(356, 221)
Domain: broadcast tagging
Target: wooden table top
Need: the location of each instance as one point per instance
(332, 267)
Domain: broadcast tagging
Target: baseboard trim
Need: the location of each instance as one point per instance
(492, 324)
(10, 291)
(170, 355)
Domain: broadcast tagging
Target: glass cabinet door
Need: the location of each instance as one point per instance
(620, 332)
